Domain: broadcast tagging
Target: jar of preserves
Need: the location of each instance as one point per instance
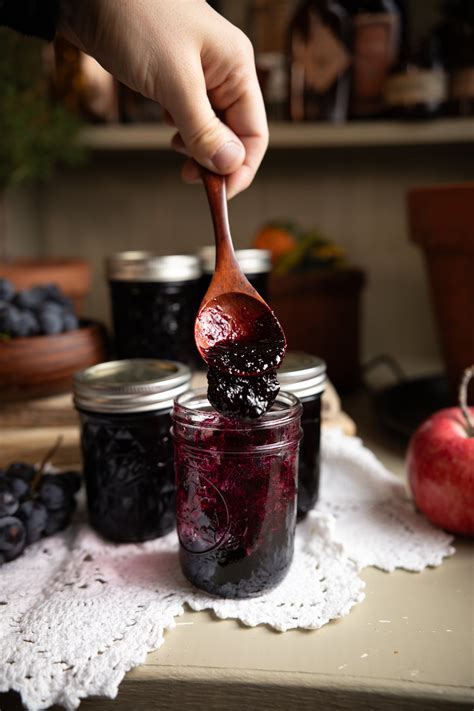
(256, 264)
(124, 408)
(236, 494)
(154, 304)
(304, 375)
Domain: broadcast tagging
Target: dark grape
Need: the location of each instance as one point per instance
(70, 322)
(9, 318)
(34, 516)
(42, 309)
(27, 299)
(59, 519)
(26, 325)
(52, 292)
(19, 486)
(72, 480)
(6, 290)
(8, 501)
(54, 492)
(20, 469)
(53, 307)
(50, 321)
(12, 537)
(31, 509)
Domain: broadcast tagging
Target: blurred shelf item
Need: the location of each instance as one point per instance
(127, 137)
(298, 135)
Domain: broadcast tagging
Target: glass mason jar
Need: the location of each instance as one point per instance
(155, 300)
(256, 264)
(304, 375)
(127, 453)
(236, 495)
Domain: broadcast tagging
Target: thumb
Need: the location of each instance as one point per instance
(206, 138)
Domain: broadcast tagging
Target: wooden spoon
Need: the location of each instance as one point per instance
(235, 329)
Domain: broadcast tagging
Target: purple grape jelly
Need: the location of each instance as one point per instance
(235, 495)
(304, 375)
(155, 300)
(127, 452)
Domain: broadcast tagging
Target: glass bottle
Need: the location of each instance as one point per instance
(418, 87)
(304, 375)
(456, 35)
(376, 26)
(266, 25)
(124, 408)
(320, 62)
(236, 495)
(155, 300)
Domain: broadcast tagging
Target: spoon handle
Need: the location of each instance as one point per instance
(217, 198)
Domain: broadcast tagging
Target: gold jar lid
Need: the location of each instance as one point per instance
(302, 374)
(251, 261)
(147, 266)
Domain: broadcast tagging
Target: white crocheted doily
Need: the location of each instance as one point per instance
(76, 613)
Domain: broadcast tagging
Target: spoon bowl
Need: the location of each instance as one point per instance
(235, 329)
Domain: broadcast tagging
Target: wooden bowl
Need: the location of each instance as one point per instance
(39, 366)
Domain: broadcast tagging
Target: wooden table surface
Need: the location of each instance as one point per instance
(408, 645)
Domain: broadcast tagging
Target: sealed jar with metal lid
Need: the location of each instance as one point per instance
(124, 408)
(154, 304)
(304, 375)
(236, 494)
(256, 264)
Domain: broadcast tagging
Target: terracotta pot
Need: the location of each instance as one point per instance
(73, 276)
(41, 366)
(442, 223)
(320, 314)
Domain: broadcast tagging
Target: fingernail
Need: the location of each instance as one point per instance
(227, 156)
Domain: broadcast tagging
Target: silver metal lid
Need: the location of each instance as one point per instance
(251, 261)
(302, 374)
(147, 266)
(136, 385)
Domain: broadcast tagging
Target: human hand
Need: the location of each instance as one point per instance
(191, 60)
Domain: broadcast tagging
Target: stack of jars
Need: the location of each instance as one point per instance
(156, 453)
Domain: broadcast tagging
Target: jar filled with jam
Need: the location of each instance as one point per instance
(155, 300)
(124, 408)
(236, 494)
(256, 264)
(304, 375)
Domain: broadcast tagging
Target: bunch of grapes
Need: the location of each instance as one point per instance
(41, 310)
(33, 505)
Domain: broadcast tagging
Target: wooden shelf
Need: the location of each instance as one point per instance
(138, 137)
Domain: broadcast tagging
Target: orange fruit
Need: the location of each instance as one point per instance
(277, 239)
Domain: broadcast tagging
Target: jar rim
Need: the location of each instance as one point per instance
(252, 260)
(302, 374)
(196, 416)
